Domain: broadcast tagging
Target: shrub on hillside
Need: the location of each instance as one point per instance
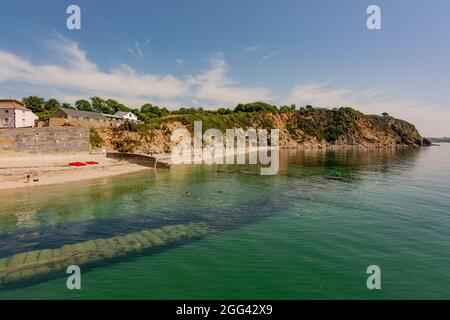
(124, 143)
(95, 139)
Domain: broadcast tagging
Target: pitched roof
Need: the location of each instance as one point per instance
(121, 113)
(81, 114)
(112, 116)
(11, 103)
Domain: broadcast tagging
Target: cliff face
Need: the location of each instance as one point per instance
(348, 127)
(306, 128)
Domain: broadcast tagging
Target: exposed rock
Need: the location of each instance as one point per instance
(307, 128)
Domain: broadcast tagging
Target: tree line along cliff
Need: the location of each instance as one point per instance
(306, 127)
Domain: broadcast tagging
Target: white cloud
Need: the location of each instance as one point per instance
(138, 50)
(78, 73)
(268, 56)
(374, 101)
(317, 94)
(77, 76)
(179, 62)
(251, 48)
(214, 85)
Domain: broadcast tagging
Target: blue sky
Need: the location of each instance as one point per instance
(219, 53)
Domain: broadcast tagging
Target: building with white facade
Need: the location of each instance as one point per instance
(14, 114)
(127, 116)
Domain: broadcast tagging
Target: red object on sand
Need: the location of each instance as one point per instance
(77, 164)
(91, 162)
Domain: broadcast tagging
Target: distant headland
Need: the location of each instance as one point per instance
(439, 140)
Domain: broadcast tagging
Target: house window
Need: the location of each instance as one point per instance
(6, 111)
(6, 121)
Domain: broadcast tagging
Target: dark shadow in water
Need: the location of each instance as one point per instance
(69, 233)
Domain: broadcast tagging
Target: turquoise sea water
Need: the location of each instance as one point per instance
(308, 233)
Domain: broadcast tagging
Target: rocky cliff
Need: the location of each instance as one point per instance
(305, 128)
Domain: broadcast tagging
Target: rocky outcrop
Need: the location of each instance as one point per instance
(305, 128)
(348, 127)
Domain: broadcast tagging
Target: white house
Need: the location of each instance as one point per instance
(14, 114)
(127, 116)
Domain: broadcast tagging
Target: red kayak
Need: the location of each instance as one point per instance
(77, 164)
(91, 162)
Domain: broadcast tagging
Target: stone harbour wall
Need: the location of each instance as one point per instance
(140, 159)
(23, 141)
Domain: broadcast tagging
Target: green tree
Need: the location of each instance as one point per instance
(286, 108)
(66, 105)
(224, 111)
(112, 106)
(255, 107)
(83, 105)
(35, 104)
(99, 105)
(153, 111)
(149, 108)
(51, 105)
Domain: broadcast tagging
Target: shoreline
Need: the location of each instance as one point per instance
(53, 169)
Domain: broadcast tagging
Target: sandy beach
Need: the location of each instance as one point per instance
(55, 169)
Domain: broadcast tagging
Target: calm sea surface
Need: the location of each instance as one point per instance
(308, 233)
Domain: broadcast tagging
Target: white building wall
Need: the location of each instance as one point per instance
(131, 116)
(24, 118)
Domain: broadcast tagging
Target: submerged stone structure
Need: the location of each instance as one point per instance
(27, 265)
